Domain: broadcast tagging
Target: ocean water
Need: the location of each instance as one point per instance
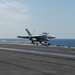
(61, 42)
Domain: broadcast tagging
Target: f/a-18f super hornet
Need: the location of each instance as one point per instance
(44, 37)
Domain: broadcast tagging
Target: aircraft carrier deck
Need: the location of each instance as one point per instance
(26, 59)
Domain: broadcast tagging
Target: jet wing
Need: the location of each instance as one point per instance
(34, 36)
(23, 36)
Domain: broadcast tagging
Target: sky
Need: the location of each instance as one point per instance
(56, 17)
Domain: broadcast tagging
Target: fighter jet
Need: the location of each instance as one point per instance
(44, 37)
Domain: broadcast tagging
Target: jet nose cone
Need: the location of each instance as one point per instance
(53, 36)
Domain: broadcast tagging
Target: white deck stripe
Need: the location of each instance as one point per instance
(45, 53)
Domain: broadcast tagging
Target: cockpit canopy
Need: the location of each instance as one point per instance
(45, 33)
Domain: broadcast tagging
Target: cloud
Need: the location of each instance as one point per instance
(25, 10)
(3, 6)
(13, 11)
(14, 4)
(13, 16)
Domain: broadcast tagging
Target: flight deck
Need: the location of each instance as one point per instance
(27, 59)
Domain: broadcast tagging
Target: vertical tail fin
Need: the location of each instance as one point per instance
(28, 32)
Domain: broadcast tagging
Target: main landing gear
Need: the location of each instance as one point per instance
(34, 43)
(41, 43)
(47, 43)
